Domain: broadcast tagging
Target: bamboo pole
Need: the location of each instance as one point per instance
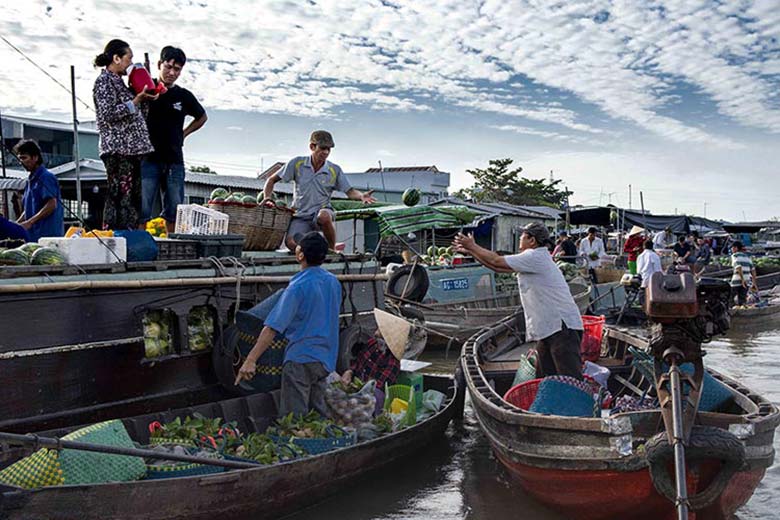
(178, 282)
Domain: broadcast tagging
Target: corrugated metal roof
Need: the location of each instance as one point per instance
(431, 168)
(12, 183)
(64, 126)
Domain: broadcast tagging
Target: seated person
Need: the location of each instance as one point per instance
(684, 251)
(12, 230)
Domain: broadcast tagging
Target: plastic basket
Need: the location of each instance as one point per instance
(563, 395)
(219, 246)
(318, 445)
(523, 395)
(407, 394)
(196, 220)
(590, 348)
(263, 227)
(169, 249)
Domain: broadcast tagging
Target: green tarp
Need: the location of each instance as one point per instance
(400, 219)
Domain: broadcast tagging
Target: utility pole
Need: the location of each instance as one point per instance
(2, 165)
(76, 145)
(629, 196)
(705, 209)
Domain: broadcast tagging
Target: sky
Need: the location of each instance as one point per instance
(678, 100)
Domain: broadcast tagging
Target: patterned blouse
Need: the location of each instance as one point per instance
(120, 123)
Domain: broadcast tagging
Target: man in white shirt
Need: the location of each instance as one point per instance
(592, 248)
(648, 263)
(664, 239)
(551, 316)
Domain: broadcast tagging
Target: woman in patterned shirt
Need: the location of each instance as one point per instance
(124, 138)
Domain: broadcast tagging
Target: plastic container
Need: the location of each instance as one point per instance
(414, 380)
(140, 79)
(88, 251)
(523, 395)
(170, 249)
(590, 348)
(404, 393)
(196, 220)
(219, 246)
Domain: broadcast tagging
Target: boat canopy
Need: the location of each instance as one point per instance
(398, 219)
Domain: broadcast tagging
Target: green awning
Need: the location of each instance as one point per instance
(400, 219)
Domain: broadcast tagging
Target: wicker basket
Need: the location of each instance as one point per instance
(604, 274)
(263, 227)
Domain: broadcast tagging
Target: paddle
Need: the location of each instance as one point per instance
(58, 444)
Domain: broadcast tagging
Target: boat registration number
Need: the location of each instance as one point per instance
(455, 284)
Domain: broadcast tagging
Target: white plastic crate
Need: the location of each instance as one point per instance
(192, 219)
(87, 251)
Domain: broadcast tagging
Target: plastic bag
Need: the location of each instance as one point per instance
(354, 410)
(526, 369)
(597, 372)
(200, 328)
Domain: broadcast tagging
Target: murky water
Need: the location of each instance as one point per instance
(460, 479)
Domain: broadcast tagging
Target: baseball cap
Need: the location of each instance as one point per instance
(322, 138)
(538, 231)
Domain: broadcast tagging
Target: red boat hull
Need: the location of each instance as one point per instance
(602, 495)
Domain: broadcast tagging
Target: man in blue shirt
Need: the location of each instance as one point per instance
(43, 213)
(307, 314)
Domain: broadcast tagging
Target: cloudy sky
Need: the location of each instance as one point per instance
(679, 98)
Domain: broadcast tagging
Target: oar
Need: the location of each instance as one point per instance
(55, 443)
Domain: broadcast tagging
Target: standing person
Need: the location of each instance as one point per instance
(592, 248)
(124, 138)
(164, 167)
(552, 319)
(744, 276)
(648, 263)
(315, 179)
(43, 214)
(565, 250)
(307, 314)
(664, 239)
(633, 246)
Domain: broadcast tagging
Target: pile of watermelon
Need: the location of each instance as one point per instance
(221, 195)
(438, 256)
(32, 254)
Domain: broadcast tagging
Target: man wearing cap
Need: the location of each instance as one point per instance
(664, 239)
(552, 319)
(315, 178)
(307, 314)
(634, 245)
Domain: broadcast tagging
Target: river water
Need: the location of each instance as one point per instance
(459, 478)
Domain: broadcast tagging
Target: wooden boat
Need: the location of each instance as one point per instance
(265, 492)
(462, 319)
(595, 468)
(751, 313)
(71, 338)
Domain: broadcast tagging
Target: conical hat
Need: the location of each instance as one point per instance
(635, 231)
(395, 330)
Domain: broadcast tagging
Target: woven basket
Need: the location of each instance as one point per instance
(263, 227)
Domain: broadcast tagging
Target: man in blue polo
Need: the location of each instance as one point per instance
(43, 213)
(307, 313)
(315, 178)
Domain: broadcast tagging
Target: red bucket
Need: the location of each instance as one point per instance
(523, 394)
(590, 348)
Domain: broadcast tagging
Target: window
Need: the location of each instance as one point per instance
(71, 209)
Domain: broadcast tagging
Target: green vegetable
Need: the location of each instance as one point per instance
(30, 247)
(14, 257)
(309, 426)
(248, 199)
(219, 193)
(47, 256)
(411, 197)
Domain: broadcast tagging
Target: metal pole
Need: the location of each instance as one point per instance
(642, 202)
(629, 197)
(679, 448)
(76, 156)
(2, 161)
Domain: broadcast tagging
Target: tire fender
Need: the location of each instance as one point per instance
(417, 287)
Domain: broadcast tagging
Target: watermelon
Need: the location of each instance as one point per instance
(450, 251)
(431, 251)
(14, 257)
(280, 203)
(218, 199)
(48, 256)
(219, 193)
(411, 197)
(30, 247)
(248, 199)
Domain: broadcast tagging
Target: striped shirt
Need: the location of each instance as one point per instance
(743, 261)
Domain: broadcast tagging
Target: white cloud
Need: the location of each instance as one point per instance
(234, 128)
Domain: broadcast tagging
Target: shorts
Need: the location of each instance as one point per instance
(167, 177)
(299, 226)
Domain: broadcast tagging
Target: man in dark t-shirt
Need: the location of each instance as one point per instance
(164, 168)
(568, 251)
(683, 251)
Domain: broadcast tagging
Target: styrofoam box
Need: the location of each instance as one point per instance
(84, 251)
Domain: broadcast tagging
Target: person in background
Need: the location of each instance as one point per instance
(683, 251)
(307, 314)
(592, 248)
(703, 256)
(315, 179)
(664, 239)
(124, 137)
(744, 276)
(565, 250)
(633, 247)
(552, 319)
(164, 167)
(648, 263)
(43, 214)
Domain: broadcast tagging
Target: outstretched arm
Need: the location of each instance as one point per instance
(365, 197)
(490, 259)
